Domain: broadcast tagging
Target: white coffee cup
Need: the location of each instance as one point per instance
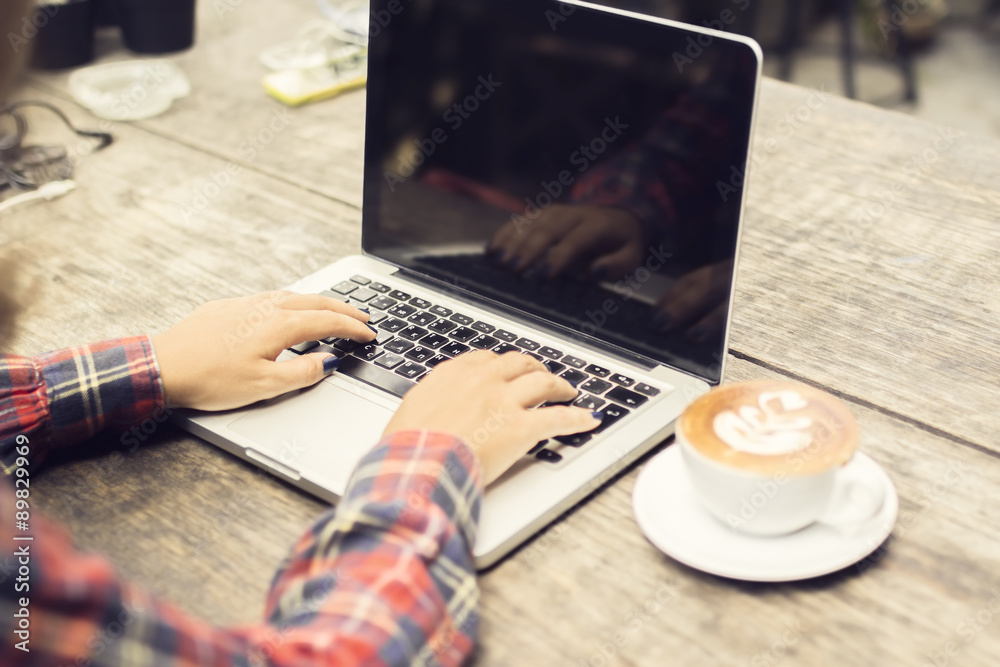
(772, 457)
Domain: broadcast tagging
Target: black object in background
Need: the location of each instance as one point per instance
(105, 13)
(65, 34)
(157, 26)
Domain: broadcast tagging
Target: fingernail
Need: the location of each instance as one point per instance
(330, 364)
(572, 383)
(374, 330)
(599, 416)
(365, 311)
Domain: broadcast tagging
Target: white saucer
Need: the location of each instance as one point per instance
(673, 519)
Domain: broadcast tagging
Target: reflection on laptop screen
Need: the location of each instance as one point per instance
(577, 166)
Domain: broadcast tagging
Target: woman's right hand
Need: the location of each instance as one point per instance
(486, 400)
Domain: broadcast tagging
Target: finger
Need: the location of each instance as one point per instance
(295, 301)
(295, 326)
(514, 364)
(615, 265)
(536, 240)
(540, 387)
(561, 420)
(304, 371)
(683, 303)
(711, 324)
(581, 241)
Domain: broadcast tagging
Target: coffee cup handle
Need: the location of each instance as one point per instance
(858, 495)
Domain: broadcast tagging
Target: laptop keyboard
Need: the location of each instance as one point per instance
(415, 335)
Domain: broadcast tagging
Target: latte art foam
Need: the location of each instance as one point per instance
(768, 428)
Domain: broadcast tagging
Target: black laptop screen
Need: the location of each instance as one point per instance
(574, 165)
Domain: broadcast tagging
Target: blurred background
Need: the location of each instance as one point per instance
(935, 59)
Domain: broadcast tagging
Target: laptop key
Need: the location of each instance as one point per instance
(440, 311)
(644, 388)
(389, 360)
(587, 402)
(379, 287)
(554, 366)
(368, 352)
(625, 397)
(505, 336)
(411, 370)
(453, 349)
(549, 352)
(442, 326)
(361, 280)
(363, 294)
(400, 294)
(575, 362)
(304, 347)
(527, 344)
(373, 375)
(484, 342)
(347, 345)
(382, 303)
(393, 325)
(537, 448)
(574, 377)
(464, 320)
(504, 348)
(435, 360)
(383, 337)
(623, 380)
(433, 341)
(612, 414)
(599, 371)
(413, 332)
(575, 440)
(482, 327)
(376, 316)
(595, 386)
(333, 295)
(419, 354)
(423, 318)
(420, 303)
(345, 287)
(399, 346)
(402, 310)
(548, 456)
(463, 334)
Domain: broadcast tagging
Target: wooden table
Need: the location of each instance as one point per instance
(870, 268)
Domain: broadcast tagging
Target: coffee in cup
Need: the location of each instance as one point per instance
(771, 457)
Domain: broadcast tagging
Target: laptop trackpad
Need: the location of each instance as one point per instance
(320, 433)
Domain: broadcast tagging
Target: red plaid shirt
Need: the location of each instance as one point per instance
(386, 579)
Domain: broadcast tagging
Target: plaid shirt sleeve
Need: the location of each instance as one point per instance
(386, 579)
(62, 398)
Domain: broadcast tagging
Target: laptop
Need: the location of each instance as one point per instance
(558, 179)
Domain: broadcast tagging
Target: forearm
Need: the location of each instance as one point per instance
(387, 579)
(64, 397)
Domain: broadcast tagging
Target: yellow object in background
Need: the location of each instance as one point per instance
(301, 86)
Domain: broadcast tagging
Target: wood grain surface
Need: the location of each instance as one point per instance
(894, 308)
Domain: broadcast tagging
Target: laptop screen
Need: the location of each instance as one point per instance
(575, 165)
